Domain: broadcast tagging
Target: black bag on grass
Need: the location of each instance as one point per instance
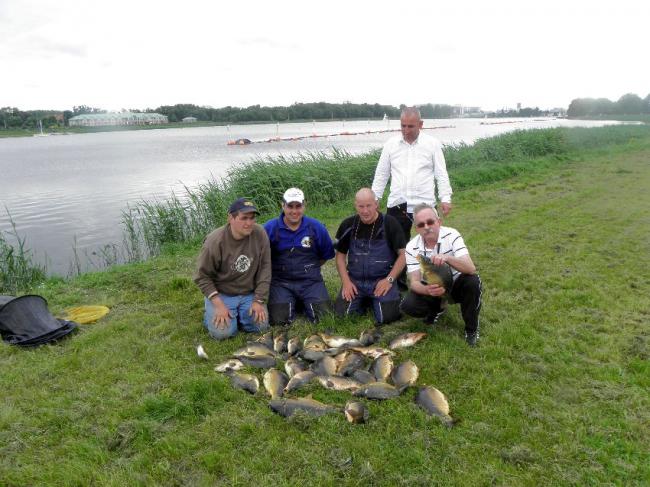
(26, 321)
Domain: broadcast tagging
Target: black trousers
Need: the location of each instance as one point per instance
(466, 291)
(405, 219)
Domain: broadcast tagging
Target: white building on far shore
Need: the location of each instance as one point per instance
(117, 118)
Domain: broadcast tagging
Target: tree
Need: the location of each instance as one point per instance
(630, 104)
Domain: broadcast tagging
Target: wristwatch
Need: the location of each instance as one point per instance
(390, 279)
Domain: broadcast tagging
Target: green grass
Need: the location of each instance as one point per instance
(556, 393)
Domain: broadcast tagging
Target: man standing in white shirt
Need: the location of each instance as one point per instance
(415, 164)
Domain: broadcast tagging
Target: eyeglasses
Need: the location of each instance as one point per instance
(428, 223)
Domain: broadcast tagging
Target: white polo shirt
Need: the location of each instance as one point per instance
(449, 242)
(414, 170)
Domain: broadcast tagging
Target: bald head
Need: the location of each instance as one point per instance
(366, 205)
(411, 111)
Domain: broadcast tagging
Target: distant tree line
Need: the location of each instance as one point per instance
(629, 104)
(297, 111)
(520, 112)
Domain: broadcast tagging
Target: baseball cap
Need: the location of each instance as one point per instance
(245, 205)
(293, 195)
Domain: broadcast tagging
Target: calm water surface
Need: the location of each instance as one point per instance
(69, 191)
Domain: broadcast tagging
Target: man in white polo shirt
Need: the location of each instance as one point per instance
(442, 246)
(416, 166)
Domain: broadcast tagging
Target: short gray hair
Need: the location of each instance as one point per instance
(423, 206)
(411, 111)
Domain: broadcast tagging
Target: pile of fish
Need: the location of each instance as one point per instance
(358, 366)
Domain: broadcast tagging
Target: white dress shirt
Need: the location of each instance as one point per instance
(414, 170)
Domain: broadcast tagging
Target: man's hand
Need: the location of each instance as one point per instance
(446, 208)
(434, 290)
(222, 315)
(349, 291)
(382, 287)
(258, 312)
(439, 259)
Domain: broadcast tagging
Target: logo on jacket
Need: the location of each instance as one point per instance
(306, 242)
(242, 264)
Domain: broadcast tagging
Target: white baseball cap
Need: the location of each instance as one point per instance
(293, 195)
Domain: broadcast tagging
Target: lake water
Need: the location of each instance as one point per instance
(69, 191)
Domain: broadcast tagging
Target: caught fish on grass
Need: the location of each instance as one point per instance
(405, 375)
(266, 339)
(275, 382)
(325, 366)
(201, 353)
(356, 412)
(295, 365)
(370, 336)
(382, 367)
(299, 380)
(247, 382)
(373, 352)
(377, 391)
(431, 273)
(338, 383)
(258, 362)
(435, 403)
(232, 364)
(280, 343)
(294, 345)
(336, 341)
(406, 340)
(287, 407)
(363, 376)
(252, 349)
(348, 362)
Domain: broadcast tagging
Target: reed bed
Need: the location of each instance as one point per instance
(18, 270)
(328, 178)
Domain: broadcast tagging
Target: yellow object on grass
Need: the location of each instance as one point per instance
(86, 314)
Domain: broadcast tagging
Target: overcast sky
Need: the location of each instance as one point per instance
(493, 54)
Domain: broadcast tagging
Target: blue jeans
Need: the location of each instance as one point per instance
(239, 307)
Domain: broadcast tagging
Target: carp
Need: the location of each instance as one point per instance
(287, 407)
(266, 339)
(406, 340)
(325, 366)
(335, 341)
(298, 380)
(275, 382)
(348, 362)
(356, 412)
(405, 374)
(373, 352)
(246, 382)
(382, 367)
(363, 376)
(377, 390)
(258, 361)
(430, 273)
(294, 345)
(435, 403)
(294, 365)
(370, 336)
(338, 383)
(280, 343)
(232, 364)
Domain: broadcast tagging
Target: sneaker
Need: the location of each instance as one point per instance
(472, 338)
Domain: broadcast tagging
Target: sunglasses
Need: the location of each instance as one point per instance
(428, 223)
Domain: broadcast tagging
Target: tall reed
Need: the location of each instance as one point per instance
(18, 271)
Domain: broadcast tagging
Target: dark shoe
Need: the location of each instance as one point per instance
(471, 338)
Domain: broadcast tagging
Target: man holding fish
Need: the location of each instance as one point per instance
(435, 251)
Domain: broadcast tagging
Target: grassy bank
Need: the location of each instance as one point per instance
(556, 393)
